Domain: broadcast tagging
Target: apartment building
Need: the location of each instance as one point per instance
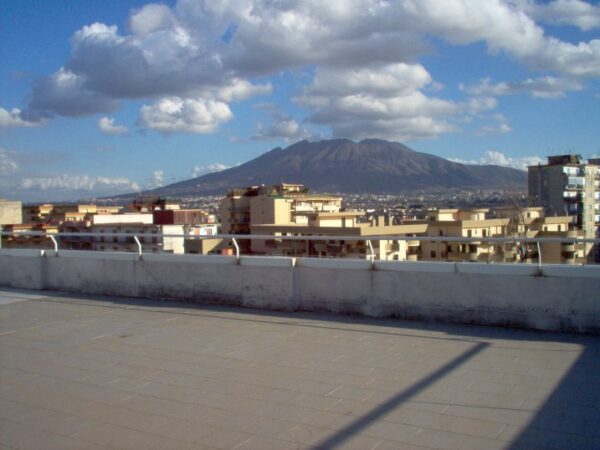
(331, 226)
(37, 213)
(500, 222)
(567, 185)
(150, 236)
(48, 212)
(20, 240)
(10, 212)
(183, 217)
(277, 204)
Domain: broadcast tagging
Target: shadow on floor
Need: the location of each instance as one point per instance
(569, 418)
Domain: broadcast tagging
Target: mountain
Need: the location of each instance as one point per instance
(341, 165)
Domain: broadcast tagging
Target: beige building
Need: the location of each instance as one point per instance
(279, 212)
(499, 222)
(10, 212)
(336, 225)
(47, 212)
(37, 213)
(19, 240)
(568, 186)
(279, 204)
(469, 223)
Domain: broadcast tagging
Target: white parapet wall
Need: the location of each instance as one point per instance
(560, 298)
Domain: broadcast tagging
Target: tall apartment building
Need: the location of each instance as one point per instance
(569, 186)
(278, 204)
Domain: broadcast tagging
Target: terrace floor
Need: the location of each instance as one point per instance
(86, 372)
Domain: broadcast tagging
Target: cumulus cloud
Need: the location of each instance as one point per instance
(570, 12)
(544, 87)
(492, 157)
(213, 167)
(271, 36)
(238, 89)
(8, 165)
(281, 126)
(65, 93)
(200, 55)
(384, 102)
(13, 119)
(176, 114)
(287, 129)
(78, 183)
(150, 18)
(108, 126)
(159, 59)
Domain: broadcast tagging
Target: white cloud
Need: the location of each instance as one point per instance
(389, 80)
(282, 126)
(287, 129)
(107, 126)
(158, 178)
(13, 119)
(78, 183)
(582, 14)
(239, 89)
(270, 36)
(176, 114)
(151, 18)
(544, 87)
(8, 165)
(492, 157)
(364, 52)
(384, 102)
(213, 167)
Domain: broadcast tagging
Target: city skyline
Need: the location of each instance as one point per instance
(112, 97)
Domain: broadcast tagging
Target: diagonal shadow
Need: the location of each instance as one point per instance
(375, 414)
(570, 416)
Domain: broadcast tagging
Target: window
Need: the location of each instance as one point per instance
(469, 233)
(484, 233)
(433, 254)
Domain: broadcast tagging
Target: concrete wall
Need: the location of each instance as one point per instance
(563, 298)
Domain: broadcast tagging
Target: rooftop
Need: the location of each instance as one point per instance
(107, 372)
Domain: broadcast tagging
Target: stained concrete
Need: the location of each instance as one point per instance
(91, 372)
(563, 298)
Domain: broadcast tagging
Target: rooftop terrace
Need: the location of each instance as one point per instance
(90, 372)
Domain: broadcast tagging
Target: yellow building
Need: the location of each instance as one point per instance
(278, 204)
(335, 225)
(10, 212)
(500, 222)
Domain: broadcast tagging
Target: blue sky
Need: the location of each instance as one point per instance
(101, 97)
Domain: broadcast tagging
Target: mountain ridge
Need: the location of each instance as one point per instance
(342, 165)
